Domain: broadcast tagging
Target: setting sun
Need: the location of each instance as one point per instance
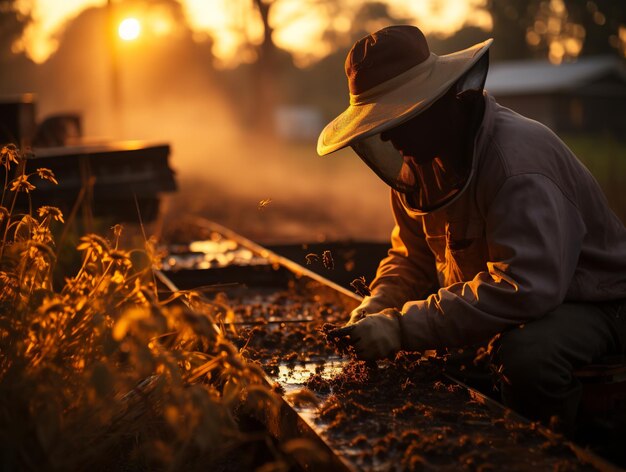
(129, 29)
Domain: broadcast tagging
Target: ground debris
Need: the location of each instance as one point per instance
(400, 414)
(360, 286)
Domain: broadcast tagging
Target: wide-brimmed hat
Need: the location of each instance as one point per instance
(393, 76)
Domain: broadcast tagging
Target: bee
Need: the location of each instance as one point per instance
(360, 286)
(311, 258)
(263, 203)
(327, 260)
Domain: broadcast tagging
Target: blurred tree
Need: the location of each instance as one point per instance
(264, 73)
(372, 16)
(273, 69)
(560, 30)
(462, 39)
(17, 71)
(510, 19)
(13, 21)
(597, 23)
(323, 81)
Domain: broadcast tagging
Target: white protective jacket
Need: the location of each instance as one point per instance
(532, 230)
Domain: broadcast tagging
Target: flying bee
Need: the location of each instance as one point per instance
(327, 260)
(311, 258)
(263, 203)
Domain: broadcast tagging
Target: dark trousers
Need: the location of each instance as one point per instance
(536, 360)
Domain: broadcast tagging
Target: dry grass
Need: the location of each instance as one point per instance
(103, 373)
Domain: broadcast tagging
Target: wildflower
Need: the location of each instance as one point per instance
(117, 278)
(36, 249)
(117, 230)
(94, 243)
(24, 228)
(37, 261)
(127, 319)
(4, 213)
(8, 154)
(155, 255)
(21, 184)
(9, 284)
(42, 234)
(47, 174)
(38, 257)
(51, 212)
(120, 258)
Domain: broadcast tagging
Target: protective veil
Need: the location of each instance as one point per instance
(432, 184)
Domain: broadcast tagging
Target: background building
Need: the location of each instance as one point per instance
(588, 95)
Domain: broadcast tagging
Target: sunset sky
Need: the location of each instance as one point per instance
(298, 23)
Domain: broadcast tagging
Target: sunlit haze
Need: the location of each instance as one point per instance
(232, 23)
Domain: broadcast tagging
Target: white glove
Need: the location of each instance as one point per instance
(368, 306)
(374, 336)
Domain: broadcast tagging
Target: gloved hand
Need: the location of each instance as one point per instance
(368, 306)
(375, 336)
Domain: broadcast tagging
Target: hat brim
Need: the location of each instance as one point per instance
(397, 104)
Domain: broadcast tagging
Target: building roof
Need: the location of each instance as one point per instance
(540, 76)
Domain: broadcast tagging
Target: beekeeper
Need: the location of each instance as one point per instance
(498, 227)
